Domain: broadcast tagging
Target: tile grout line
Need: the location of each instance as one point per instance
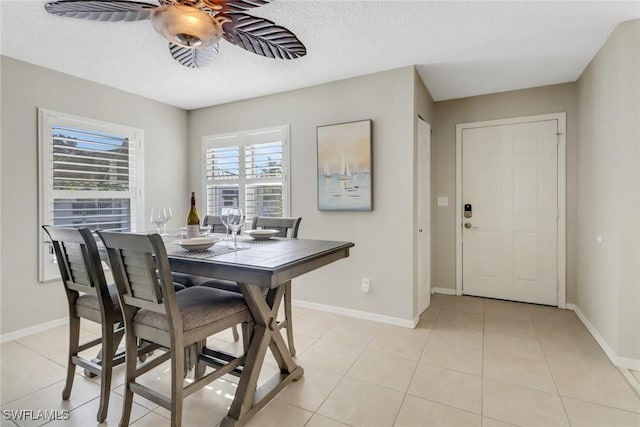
(415, 370)
(555, 383)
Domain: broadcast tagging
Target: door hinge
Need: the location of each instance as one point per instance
(557, 213)
(557, 286)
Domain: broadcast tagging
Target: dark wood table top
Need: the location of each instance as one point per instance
(266, 263)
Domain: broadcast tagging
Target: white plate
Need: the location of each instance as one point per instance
(198, 243)
(262, 234)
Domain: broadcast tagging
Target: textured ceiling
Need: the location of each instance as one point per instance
(460, 48)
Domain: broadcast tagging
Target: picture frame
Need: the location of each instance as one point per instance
(345, 166)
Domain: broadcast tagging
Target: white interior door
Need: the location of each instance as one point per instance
(510, 229)
(424, 216)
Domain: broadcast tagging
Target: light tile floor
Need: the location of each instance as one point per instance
(469, 362)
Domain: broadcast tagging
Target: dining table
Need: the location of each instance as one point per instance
(261, 268)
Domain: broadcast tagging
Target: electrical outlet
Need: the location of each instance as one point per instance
(366, 285)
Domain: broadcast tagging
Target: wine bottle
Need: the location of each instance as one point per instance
(193, 219)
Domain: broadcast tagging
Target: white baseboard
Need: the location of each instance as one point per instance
(633, 381)
(628, 363)
(620, 362)
(33, 330)
(358, 314)
(443, 291)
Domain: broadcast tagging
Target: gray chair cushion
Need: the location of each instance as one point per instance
(199, 306)
(91, 301)
(186, 280)
(226, 285)
(178, 287)
(190, 280)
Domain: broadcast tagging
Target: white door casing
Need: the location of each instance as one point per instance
(424, 216)
(512, 173)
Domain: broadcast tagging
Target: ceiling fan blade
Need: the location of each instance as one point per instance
(261, 36)
(101, 10)
(193, 58)
(234, 5)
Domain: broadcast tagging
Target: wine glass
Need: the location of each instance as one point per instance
(235, 219)
(158, 217)
(168, 215)
(224, 217)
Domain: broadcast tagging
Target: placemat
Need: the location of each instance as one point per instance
(174, 249)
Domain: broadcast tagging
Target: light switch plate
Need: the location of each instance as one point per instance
(443, 201)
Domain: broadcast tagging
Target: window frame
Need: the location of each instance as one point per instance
(47, 119)
(241, 139)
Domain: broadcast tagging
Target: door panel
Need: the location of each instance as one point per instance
(424, 216)
(488, 252)
(526, 256)
(509, 177)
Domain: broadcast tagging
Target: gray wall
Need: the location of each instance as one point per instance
(541, 100)
(383, 237)
(608, 273)
(25, 87)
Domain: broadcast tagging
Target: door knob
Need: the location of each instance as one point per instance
(468, 225)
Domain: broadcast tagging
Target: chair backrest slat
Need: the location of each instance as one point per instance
(140, 274)
(133, 260)
(76, 264)
(286, 226)
(142, 295)
(81, 279)
(79, 262)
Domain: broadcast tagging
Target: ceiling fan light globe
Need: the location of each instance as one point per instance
(186, 26)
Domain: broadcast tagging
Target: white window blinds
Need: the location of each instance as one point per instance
(247, 170)
(96, 162)
(90, 177)
(85, 160)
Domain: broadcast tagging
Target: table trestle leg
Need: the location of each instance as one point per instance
(266, 333)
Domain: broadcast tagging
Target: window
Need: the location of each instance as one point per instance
(91, 176)
(248, 170)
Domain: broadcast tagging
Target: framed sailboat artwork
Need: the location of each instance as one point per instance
(345, 167)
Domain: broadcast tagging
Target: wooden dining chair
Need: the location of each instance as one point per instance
(189, 280)
(286, 227)
(89, 297)
(180, 321)
(215, 221)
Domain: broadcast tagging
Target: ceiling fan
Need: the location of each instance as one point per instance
(194, 27)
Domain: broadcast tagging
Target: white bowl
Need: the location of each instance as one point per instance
(198, 243)
(203, 229)
(262, 234)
